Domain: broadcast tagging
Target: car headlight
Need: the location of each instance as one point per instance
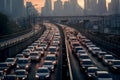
(37, 57)
(23, 78)
(36, 76)
(115, 67)
(54, 62)
(106, 61)
(18, 66)
(26, 66)
(47, 76)
(89, 75)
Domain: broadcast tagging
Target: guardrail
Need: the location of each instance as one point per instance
(19, 38)
(68, 58)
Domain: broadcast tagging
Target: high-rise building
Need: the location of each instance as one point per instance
(47, 10)
(66, 8)
(93, 7)
(2, 5)
(58, 8)
(87, 4)
(114, 7)
(102, 8)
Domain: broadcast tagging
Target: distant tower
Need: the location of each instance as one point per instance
(87, 4)
(75, 8)
(58, 8)
(47, 9)
(102, 9)
(114, 7)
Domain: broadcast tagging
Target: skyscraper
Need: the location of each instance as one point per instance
(87, 4)
(47, 9)
(114, 7)
(58, 8)
(102, 9)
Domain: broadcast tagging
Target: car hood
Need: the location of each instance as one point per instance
(21, 76)
(105, 79)
(42, 74)
(49, 66)
(116, 66)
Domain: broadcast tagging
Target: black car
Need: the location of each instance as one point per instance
(10, 77)
(115, 66)
(23, 63)
(21, 74)
(4, 67)
(43, 73)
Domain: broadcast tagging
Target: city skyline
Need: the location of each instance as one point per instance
(41, 2)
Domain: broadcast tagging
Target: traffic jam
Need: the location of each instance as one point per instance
(94, 62)
(38, 61)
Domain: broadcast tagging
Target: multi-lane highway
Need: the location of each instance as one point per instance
(44, 58)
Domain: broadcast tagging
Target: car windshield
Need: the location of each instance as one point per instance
(52, 49)
(87, 62)
(48, 63)
(76, 45)
(39, 49)
(92, 70)
(116, 63)
(104, 76)
(109, 57)
(84, 57)
(50, 58)
(10, 78)
(42, 71)
(3, 65)
(78, 49)
(20, 73)
(35, 54)
(22, 61)
(1, 74)
(9, 60)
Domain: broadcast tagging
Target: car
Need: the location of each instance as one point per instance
(19, 56)
(74, 44)
(1, 75)
(80, 52)
(115, 66)
(21, 74)
(32, 48)
(95, 50)
(85, 63)
(53, 50)
(43, 73)
(44, 45)
(52, 57)
(23, 63)
(107, 59)
(90, 72)
(101, 54)
(4, 67)
(102, 75)
(10, 77)
(35, 56)
(11, 62)
(35, 45)
(76, 49)
(83, 56)
(41, 50)
(26, 52)
(49, 64)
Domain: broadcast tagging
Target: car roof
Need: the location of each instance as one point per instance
(92, 67)
(100, 72)
(20, 70)
(43, 68)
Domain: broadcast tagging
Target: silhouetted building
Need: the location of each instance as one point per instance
(47, 9)
(102, 9)
(66, 8)
(114, 7)
(58, 7)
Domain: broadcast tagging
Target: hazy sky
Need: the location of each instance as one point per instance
(41, 2)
